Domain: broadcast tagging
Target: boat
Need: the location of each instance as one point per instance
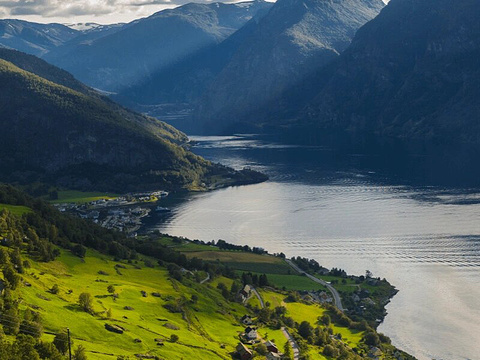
(162, 209)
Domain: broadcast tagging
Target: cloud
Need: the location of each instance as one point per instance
(51, 8)
(103, 11)
(55, 8)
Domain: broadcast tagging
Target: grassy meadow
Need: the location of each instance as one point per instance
(197, 325)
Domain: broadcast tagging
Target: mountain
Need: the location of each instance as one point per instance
(33, 38)
(185, 81)
(92, 27)
(71, 136)
(149, 45)
(40, 39)
(413, 72)
(294, 39)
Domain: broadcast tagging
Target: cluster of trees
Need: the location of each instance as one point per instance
(254, 279)
(222, 244)
(308, 265)
(45, 226)
(26, 328)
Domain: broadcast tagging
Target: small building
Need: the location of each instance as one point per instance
(251, 333)
(271, 347)
(273, 356)
(246, 291)
(244, 352)
(246, 320)
(375, 353)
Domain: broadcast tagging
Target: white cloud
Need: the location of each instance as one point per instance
(86, 10)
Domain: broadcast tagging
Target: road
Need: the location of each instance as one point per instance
(336, 295)
(206, 279)
(262, 305)
(291, 340)
(293, 344)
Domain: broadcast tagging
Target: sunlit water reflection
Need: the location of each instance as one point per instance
(352, 213)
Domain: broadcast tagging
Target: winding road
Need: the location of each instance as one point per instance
(262, 305)
(290, 339)
(336, 295)
(293, 344)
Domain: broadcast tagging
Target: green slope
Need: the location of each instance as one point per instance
(81, 140)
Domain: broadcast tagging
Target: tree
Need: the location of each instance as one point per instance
(109, 313)
(263, 280)
(305, 330)
(48, 351)
(329, 350)
(11, 321)
(287, 351)
(111, 289)
(371, 338)
(261, 349)
(325, 319)
(174, 338)
(80, 353)
(11, 276)
(4, 257)
(61, 341)
(85, 301)
(79, 250)
(24, 348)
(32, 328)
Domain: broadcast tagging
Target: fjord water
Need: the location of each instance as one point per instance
(413, 220)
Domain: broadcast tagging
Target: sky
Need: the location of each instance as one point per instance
(79, 11)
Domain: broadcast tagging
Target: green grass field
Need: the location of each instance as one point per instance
(300, 312)
(264, 264)
(79, 197)
(197, 326)
(15, 210)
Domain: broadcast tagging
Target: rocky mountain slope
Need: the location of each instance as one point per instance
(413, 72)
(151, 44)
(185, 81)
(294, 39)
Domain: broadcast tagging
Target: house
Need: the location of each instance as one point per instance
(251, 333)
(246, 320)
(244, 352)
(243, 294)
(273, 356)
(271, 347)
(246, 291)
(375, 353)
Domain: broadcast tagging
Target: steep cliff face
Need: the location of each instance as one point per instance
(412, 72)
(294, 39)
(148, 45)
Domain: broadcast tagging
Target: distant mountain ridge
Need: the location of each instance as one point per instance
(293, 40)
(33, 38)
(185, 81)
(148, 45)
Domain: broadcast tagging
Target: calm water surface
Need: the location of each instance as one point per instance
(357, 212)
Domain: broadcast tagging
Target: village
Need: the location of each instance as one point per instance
(122, 213)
